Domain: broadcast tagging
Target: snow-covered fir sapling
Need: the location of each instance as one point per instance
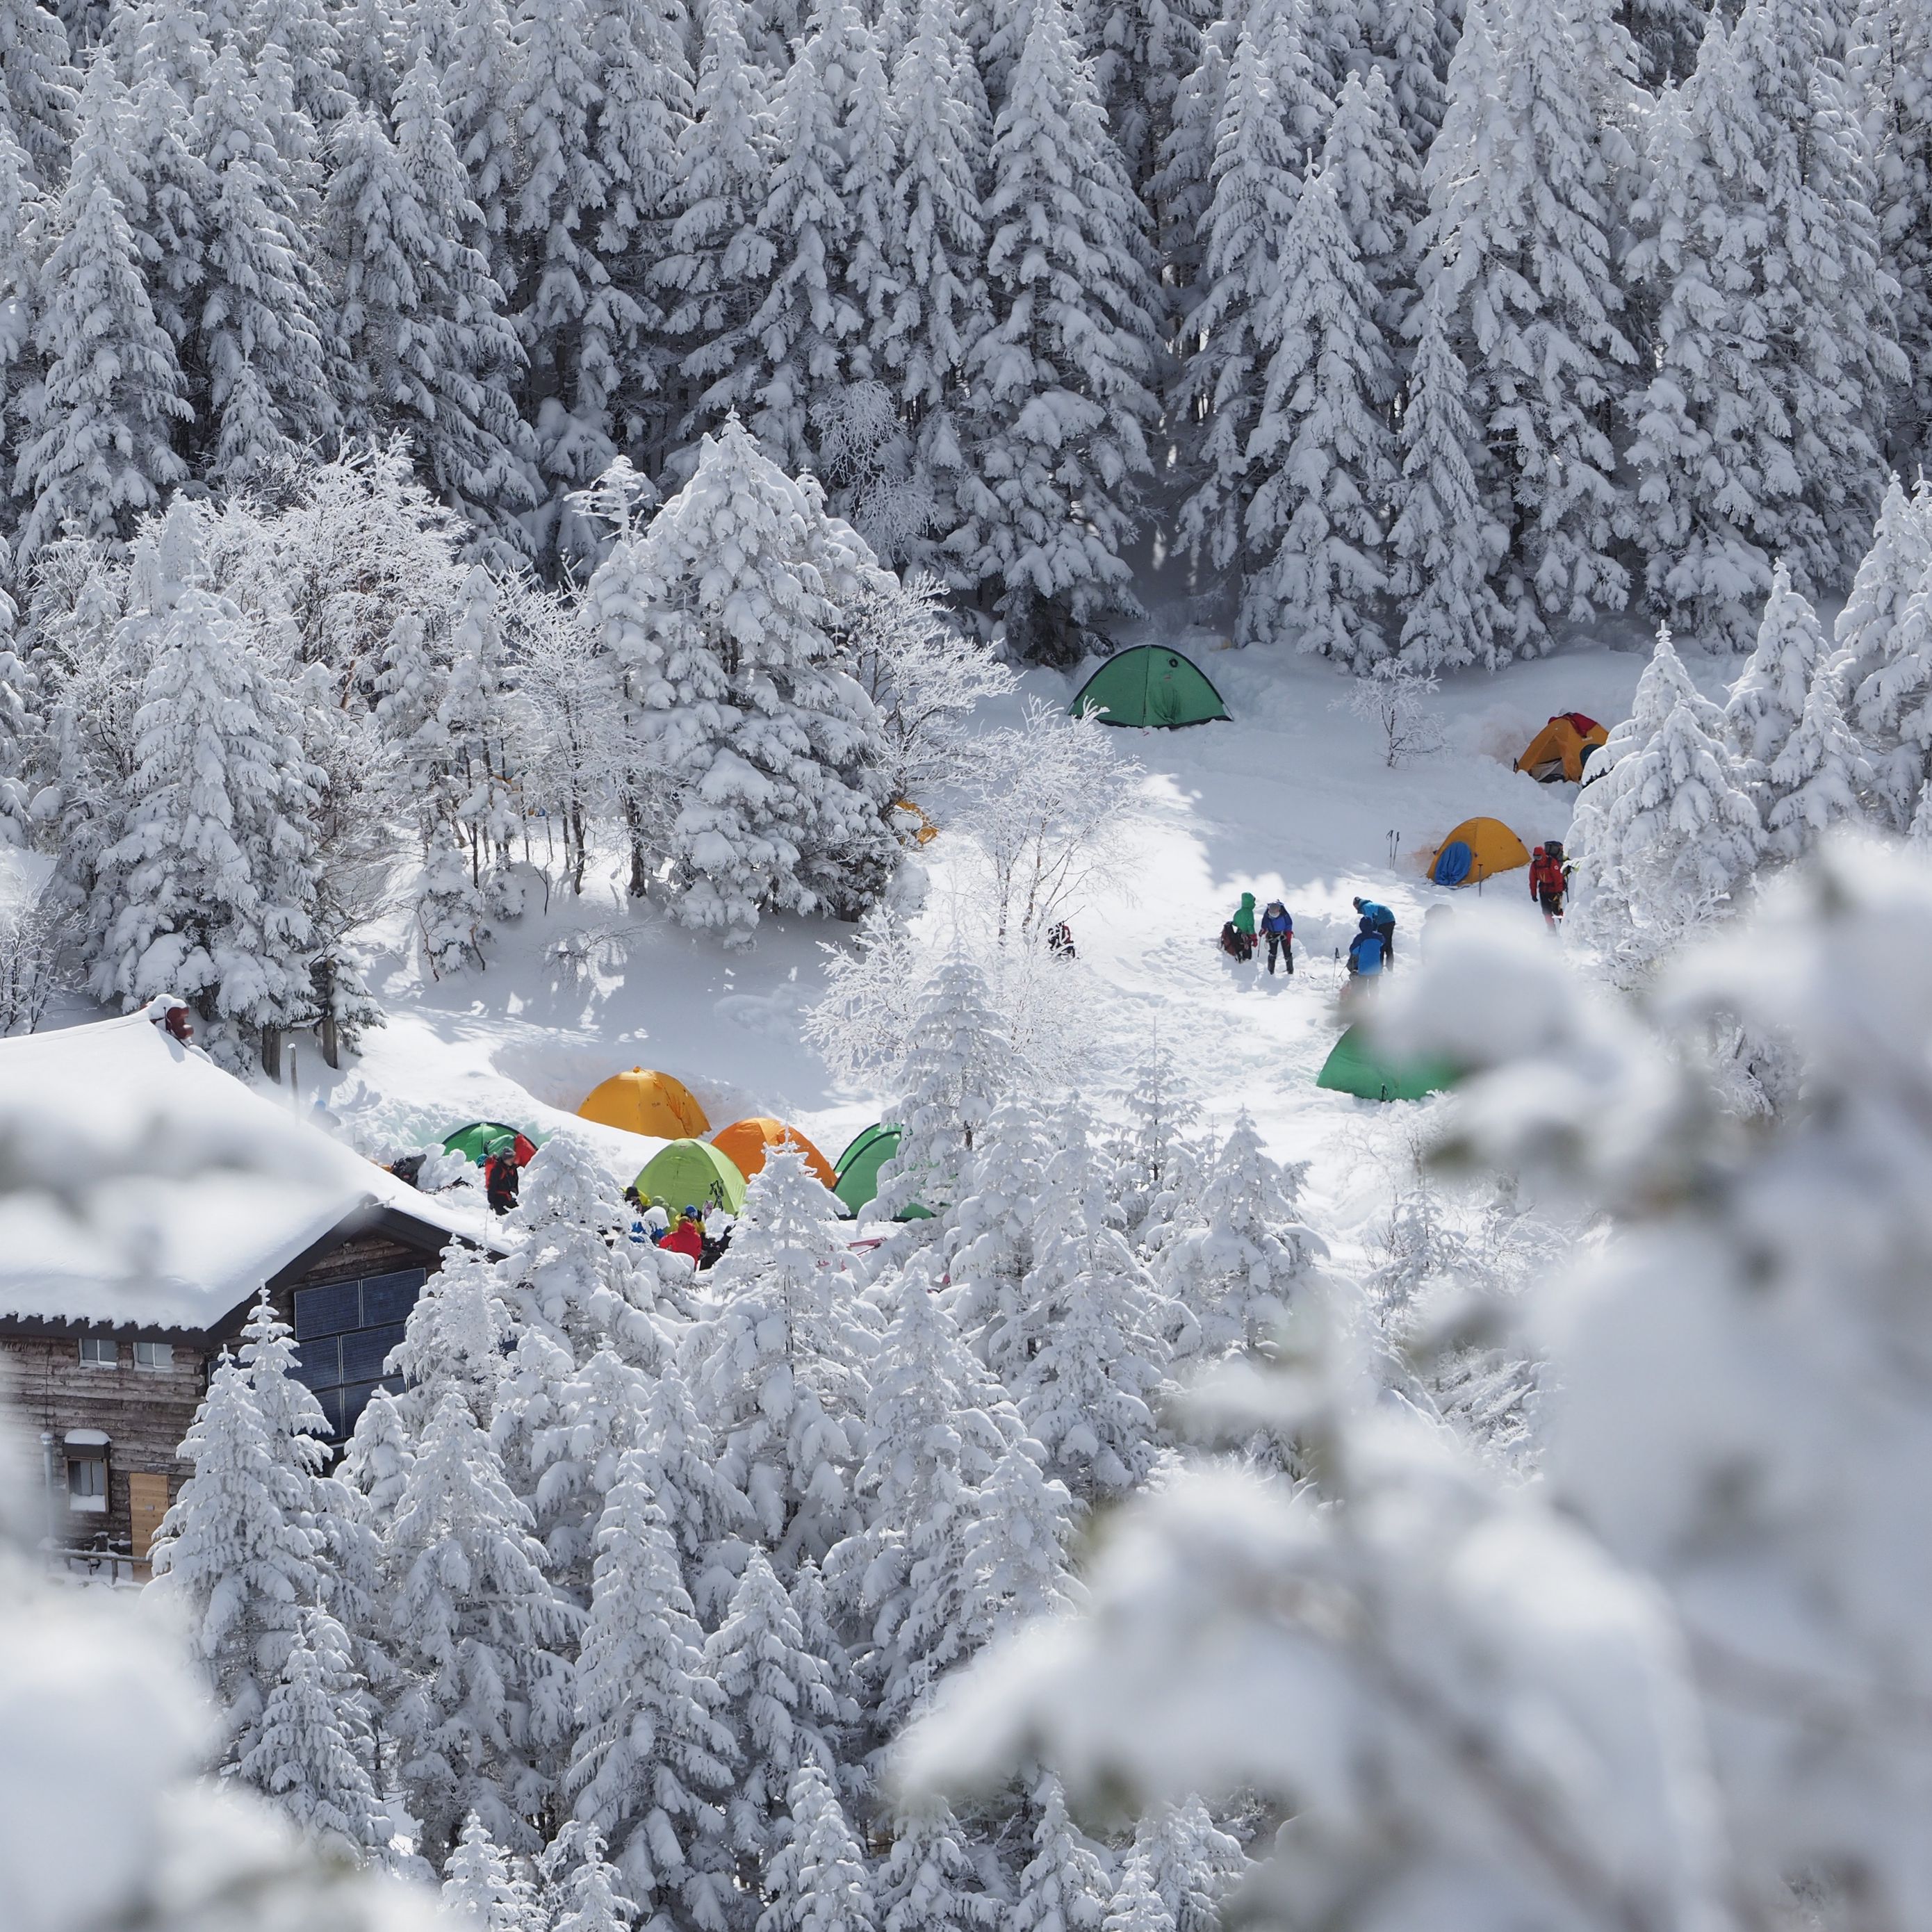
(1399, 700)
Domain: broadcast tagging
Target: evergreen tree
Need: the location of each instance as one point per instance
(1017, 1552)
(306, 34)
(718, 269)
(1143, 52)
(480, 1637)
(452, 1342)
(779, 1372)
(1136, 1906)
(1757, 436)
(1322, 453)
(1667, 33)
(1893, 706)
(481, 1888)
(1234, 1273)
(927, 1881)
(650, 1748)
(22, 214)
(1667, 839)
(958, 1060)
(816, 1880)
(1272, 111)
(937, 1426)
(1769, 698)
(1893, 50)
(1192, 1864)
(597, 1412)
(777, 1700)
(1405, 40)
(765, 742)
(1818, 779)
(1059, 383)
(1520, 206)
(1182, 193)
(473, 719)
(940, 307)
(259, 335)
(233, 1554)
(1899, 554)
(1157, 1171)
(419, 313)
(102, 452)
(39, 89)
(1445, 541)
(1064, 1888)
(311, 1756)
(987, 1237)
(708, 1517)
(209, 892)
(168, 203)
(474, 84)
(584, 1891)
(1091, 1337)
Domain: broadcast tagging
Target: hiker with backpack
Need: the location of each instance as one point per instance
(1383, 920)
(1278, 930)
(1546, 881)
(1367, 953)
(1238, 936)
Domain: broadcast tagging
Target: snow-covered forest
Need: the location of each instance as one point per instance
(538, 532)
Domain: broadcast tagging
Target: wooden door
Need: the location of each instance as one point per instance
(147, 1504)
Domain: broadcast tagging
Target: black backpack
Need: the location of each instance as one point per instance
(1230, 939)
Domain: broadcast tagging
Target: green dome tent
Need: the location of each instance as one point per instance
(692, 1174)
(1355, 1067)
(1150, 685)
(481, 1138)
(859, 1168)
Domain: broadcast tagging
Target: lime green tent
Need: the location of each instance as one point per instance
(859, 1168)
(1355, 1067)
(1151, 686)
(692, 1174)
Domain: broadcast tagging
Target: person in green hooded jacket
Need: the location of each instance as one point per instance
(1242, 925)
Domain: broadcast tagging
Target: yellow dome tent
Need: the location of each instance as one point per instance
(645, 1102)
(1475, 849)
(749, 1143)
(1559, 749)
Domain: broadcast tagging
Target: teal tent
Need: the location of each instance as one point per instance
(481, 1138)
(859, 1168)
(1151, 686)
(1355, 1067)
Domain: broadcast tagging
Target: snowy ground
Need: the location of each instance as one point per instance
(1293, 800)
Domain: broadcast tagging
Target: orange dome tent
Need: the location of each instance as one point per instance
(1562, 747)
(749, 1142)
(645, 1102)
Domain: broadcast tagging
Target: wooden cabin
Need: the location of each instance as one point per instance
(113, 1307)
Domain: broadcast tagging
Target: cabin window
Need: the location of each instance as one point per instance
(87, 1472)
(344, 1331)
(99, 1351)
(153, 1354)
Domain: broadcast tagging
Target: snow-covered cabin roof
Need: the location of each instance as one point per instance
(160, 1192)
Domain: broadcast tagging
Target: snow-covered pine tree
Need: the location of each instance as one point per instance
(482, 1715)
(1065, 1887)
(420, 315)
(596, 1417)
(1136, 1906)
(718, 268)
(1059, 384)
(1157, 1160)
(1892, 60)
(312, 1754)
(23, 213)
(762, 736)
(650, 1750)
(777, 1700)
(292, 1419)
(816, 1878)
(1018, 1550)
(233, 1554)
(987, 1235)
(779, 1373)
(209, 892)
(1090, 1339)
(1768, 698)
(1520, 207)
(39, 88)
(1667, 33)
(1233, 1270)
(474, 81)
(258, 338)
(1899, 556)
(377, 1462)
(1445, 541)
(1757, 436)
(1182, 192)
(1661, 686)
(453, 1342)
(1820, 778)
(1322, 458)
(1405, 40)
(1670, 841)
(927, 1881)
(172, 193)
(958, 1066)
(578, 328)
(794, 358)
(1192, 1864)
(584, 1891)
(936, 1425)
(474, 715)
(101, 453)
(482, 1890)
(1272, 113)
(709, 1519)
(1893, 706)
(306, 34)
(937, 245)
